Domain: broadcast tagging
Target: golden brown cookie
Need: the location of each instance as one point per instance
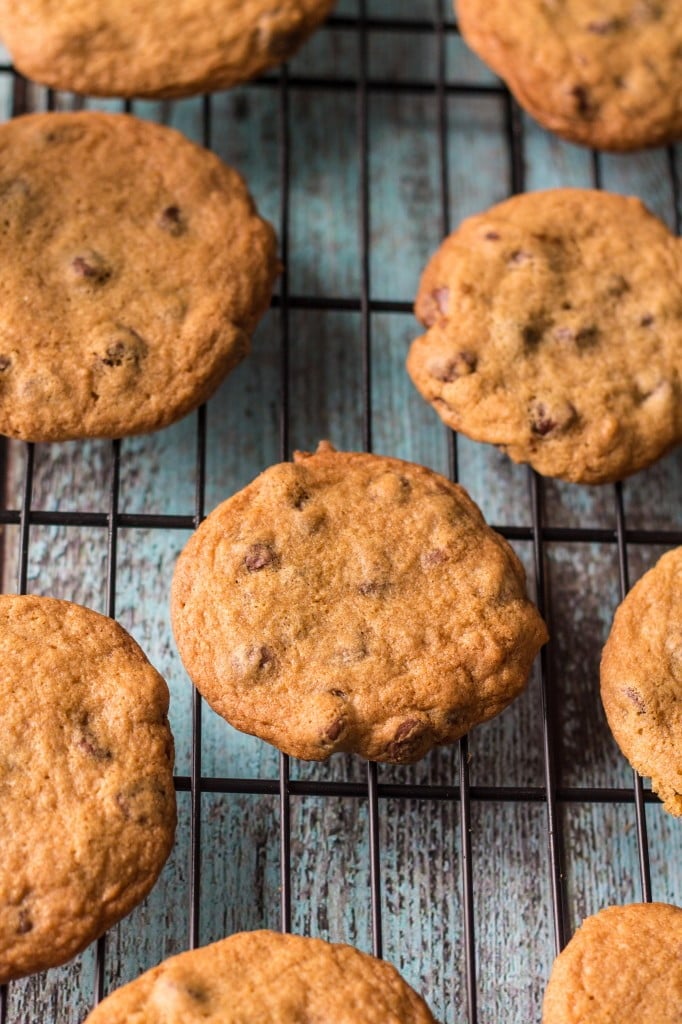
(624, 964)
(130, 288)
(353, 602)
(263, 976)
(87, 804)
(555, 331)
(605, 73)
(159, 48)
(641, 678)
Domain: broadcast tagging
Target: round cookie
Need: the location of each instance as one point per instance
(162, 48)
(641, 678)
(266, 976)
(555, 331)
(87, 804)
(131, 289)
(351, 602)
(622, 964)
(606, 74)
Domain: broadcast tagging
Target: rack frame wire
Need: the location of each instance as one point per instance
(551, 794)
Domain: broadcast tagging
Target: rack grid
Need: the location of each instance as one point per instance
(375, 789)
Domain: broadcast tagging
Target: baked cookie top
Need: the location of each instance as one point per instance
(87, 804)
(161, 48)
(605, 74)
(622, 964)
(353, 602)
(641, 678)
(128, 290)
(267, 976)
(555, 331)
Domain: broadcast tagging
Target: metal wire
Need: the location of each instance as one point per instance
(285, 190)
(551, 794)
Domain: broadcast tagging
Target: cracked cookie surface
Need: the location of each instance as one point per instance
(128, 292)
(606, 74)
(641, 678)
(622, 964)
(264, 976)
(554, 330)
(353, 602)
(87, 804)
(162, 48)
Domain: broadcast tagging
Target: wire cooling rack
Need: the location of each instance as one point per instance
(461, 959)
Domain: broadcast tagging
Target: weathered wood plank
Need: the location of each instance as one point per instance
(420, 840)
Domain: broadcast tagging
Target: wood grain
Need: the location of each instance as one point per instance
(420, 840)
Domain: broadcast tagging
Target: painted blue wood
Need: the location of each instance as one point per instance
(420, 841)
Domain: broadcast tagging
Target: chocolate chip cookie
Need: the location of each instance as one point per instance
(641, 678)
(159, 48)
(266, 976)
(134, 268)
(623, 964)
(87, 804)
(554, 330)
(351, 602)
(605, 74)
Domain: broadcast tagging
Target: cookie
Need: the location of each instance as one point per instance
(623, 964)
(87, 804)
(554, 330)
(129, 289)
(351, 602)
(604, 74)
(267, 976)
(641, 678)
(161, 48)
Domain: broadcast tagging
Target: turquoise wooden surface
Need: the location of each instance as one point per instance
(420, 840)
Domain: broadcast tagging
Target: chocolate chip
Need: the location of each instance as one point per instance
(115, 354)
(542, 423)
(584, 104)
(636, 699)
(605, 26)
(373, 588)
(91, 268)
(587, 337)
(567, 305)
(461, 365)
(25, 923)
(408, 734)
(5, 363)
(492, 236)
(434, 557)
(333, 732)
(647, 320)
(299, 497)
(259, 556)
(197, 993)
(405, 728)
(172, 221)
(126, 347)
(546, 420)
(263, 657)
(88, 744)
(532, 333)
(617, 286)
